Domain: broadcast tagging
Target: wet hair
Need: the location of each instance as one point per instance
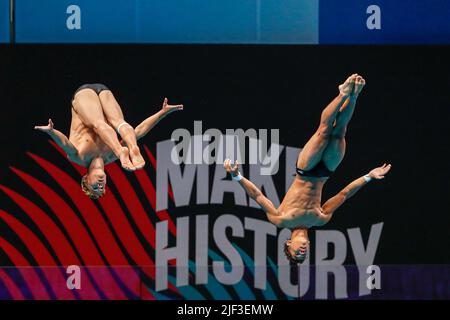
(293, 259)
(87, 190)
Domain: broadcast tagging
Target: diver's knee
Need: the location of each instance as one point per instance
(324, 131)
(338, 133)
(100, 125)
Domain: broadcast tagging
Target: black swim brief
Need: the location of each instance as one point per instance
(97, 87)
(319, 171)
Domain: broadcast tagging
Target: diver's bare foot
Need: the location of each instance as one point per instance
(347, 87)
(136, 158)
(359, 85)
(124, 158)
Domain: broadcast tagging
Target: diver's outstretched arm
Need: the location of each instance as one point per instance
(59, 137)
(335, 202)
(253, 192)
(145, 126)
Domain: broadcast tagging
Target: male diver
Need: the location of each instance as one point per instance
(93, 142)
(301, 207)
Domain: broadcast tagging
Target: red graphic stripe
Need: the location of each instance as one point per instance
(40, 254)
(52, 233)
(124, 231)
(87, 292)
(154, 164)
(88, 210)
(128, 238)
(150, 156)
(132, 202)
(147, 186)
(37, 249)
(149, 271)
(136, 217)
(55, 237)
(109, 197)
(80, 169)
(134, 206)
(147, 224)
(12, 288)
(150, 193)
(93, 218)
(77, 232)
(34, 283)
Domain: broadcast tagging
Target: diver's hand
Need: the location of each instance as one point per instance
(232, 169)
(380, 172)
(168, 108)
(48, 128)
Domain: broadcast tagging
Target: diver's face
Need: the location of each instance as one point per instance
(96, 180)
(298, 246)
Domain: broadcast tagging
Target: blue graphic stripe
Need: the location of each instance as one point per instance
(158, 296)
(187, 292)
(4, 292)
(241, 288)
(217, 291)
(268, 293)
(275, 271)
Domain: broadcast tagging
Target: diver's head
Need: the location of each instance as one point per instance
(93, 183)
(296, 248)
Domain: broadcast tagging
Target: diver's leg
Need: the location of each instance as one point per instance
(114, 115)
(335, 150)
(313, 151)
(87, 105)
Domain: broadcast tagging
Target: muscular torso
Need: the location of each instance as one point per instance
(301, 206)
(87, 142)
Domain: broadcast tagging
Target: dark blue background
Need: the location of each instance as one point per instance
(402, 21)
